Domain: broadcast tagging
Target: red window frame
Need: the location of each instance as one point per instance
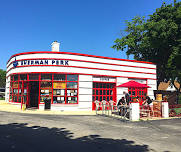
(137, 92)
(12, 95)
(110, 92)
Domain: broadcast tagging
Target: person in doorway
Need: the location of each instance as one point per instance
(127, 97)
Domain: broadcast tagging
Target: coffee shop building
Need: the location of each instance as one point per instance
(73, 81)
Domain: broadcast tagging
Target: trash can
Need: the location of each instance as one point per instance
(47, 104)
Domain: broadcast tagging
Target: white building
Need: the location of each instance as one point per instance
(72, 81)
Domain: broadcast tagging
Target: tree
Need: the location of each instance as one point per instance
(2, 78)
(157, 39)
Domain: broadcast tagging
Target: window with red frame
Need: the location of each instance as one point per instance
(18, 89)
(103, 91)
(59, 88)
(65, 89)
(137, 92)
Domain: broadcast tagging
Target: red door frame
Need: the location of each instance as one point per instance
(100, 95)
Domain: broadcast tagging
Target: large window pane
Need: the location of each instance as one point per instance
(34, 77)
(97, 92)
(104, 92)
(46, 77)
(15, 91)
(20, 84)
(23, 77)
(71, 92)
(71, 99)
(59, 92)
(59, 77)
(71, 84)
(25, 91)
(104, 85)
(46, 88)
(97, 85)
(46, 84)
(72, 77)
(16, 77)
(100, 85)
(46, 92)
(101, 92)
(19, 99)
(58, 100)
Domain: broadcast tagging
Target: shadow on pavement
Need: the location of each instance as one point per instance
(19, 137)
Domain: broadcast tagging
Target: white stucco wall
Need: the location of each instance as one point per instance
(85, 92)
(120, 89)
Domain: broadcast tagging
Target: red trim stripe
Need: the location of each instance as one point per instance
(82, 61)
(79, 54)
(83, 68)
(81, 74)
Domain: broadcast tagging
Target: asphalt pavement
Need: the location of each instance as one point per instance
(22, 132)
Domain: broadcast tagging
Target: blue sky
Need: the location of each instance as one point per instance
(82, 26)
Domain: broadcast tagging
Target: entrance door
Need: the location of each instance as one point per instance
(34, 94)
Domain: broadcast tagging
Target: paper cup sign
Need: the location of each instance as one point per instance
(59, 85)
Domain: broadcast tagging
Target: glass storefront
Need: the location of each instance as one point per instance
(57, 88)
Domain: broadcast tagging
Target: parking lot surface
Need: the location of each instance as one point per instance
(35, 133)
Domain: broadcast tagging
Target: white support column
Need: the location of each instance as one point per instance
(165, 110)
(134, 112)
(85, 93)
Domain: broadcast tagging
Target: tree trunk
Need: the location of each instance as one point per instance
(178, 91)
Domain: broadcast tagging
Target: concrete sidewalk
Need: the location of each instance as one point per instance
(8, 107)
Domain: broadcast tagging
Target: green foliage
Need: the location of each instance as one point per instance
(179, 100)
(157, 40)
(177, 110)
(2, 78)
(2, 98)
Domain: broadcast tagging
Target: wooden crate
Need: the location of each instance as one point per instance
(157, 109)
